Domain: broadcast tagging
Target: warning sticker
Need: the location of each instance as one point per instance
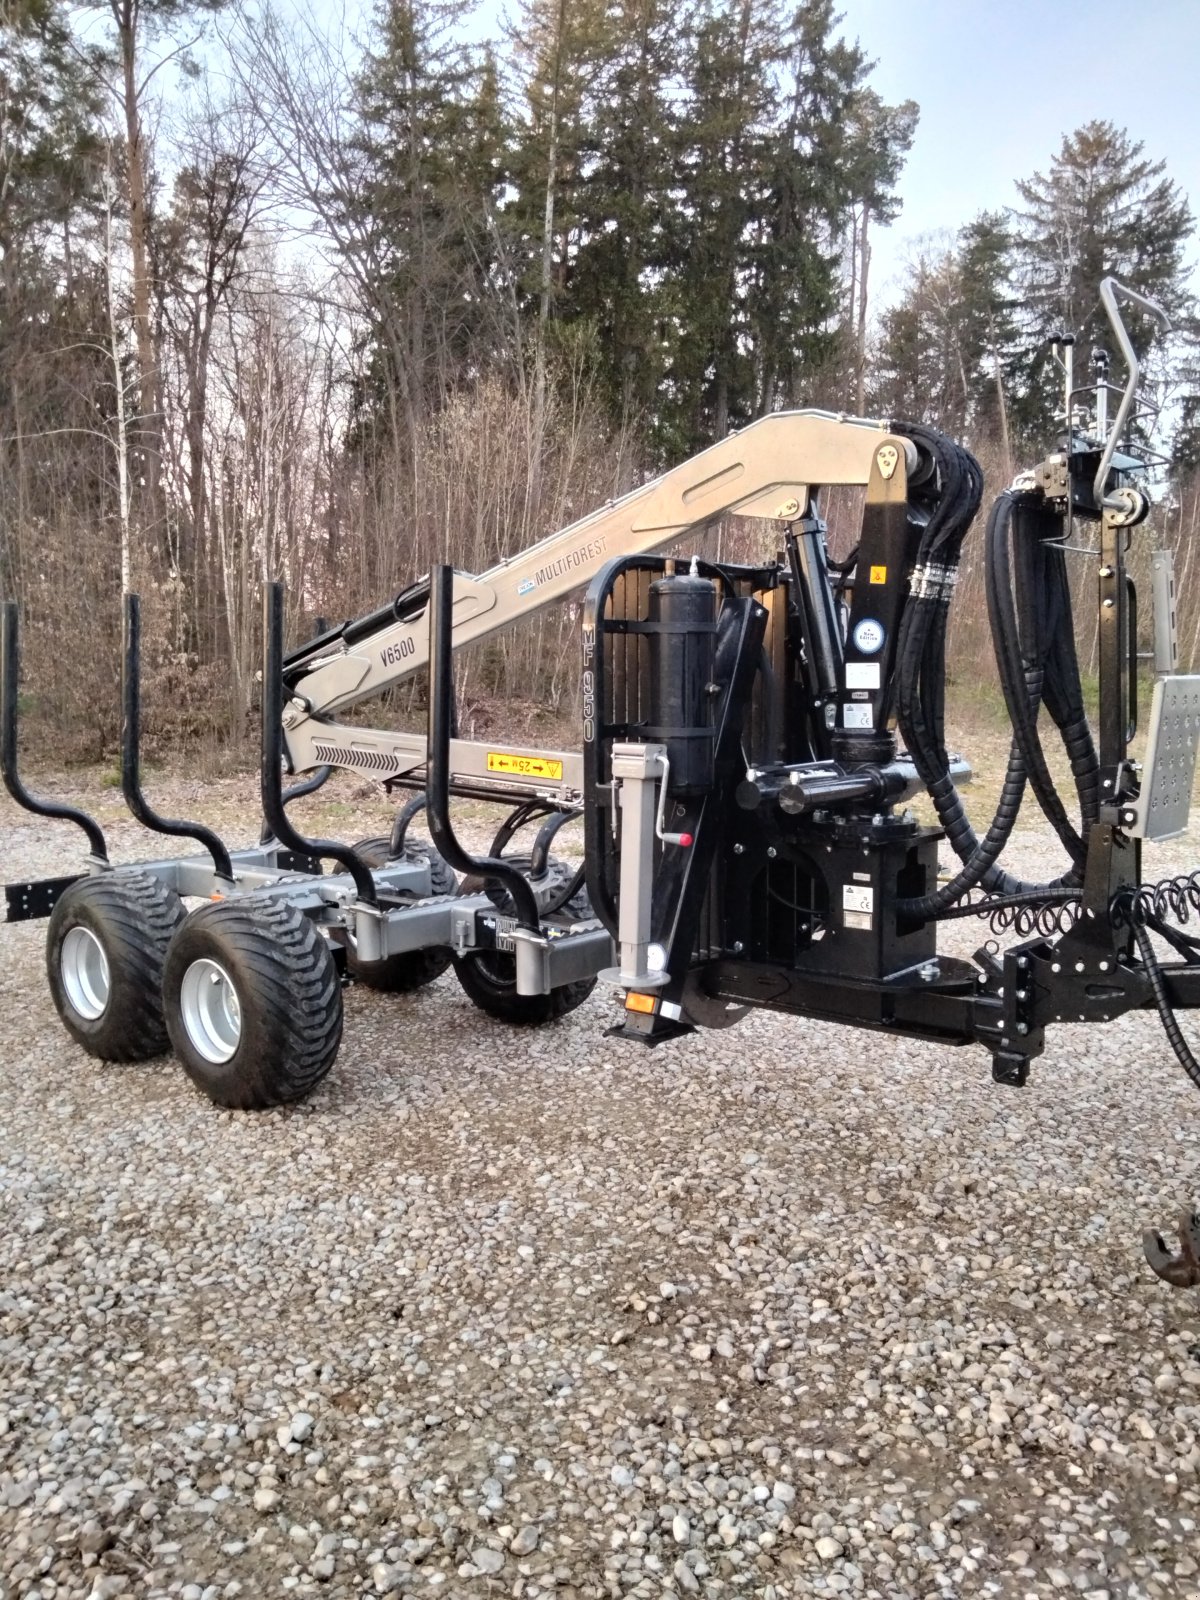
(525, 766)
(878, 574)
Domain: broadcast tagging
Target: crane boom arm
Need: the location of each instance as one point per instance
(782, 458)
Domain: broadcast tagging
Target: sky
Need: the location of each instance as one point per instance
(999, 83)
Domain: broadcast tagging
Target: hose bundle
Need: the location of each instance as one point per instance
(1029, 610)
(1146, 910)
(1033, 636)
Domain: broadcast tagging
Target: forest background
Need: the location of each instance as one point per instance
(274, 302)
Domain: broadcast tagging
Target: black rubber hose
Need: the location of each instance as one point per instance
(979, 857)
(925, 744)
(1163, 1004)
(1019, 660)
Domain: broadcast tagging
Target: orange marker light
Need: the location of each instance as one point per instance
(640, 1002)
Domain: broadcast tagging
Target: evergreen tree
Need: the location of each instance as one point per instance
(50, 137)
(724, 147)
(1102, 208)
(993, 350)
(432, 145)
(780, 141)
(948, 352)
(560, 50)
(922, 370)
(53, 399)
(624, 203)
(878, 137)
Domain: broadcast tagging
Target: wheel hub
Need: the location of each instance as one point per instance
(85, 973)
(211, 1011)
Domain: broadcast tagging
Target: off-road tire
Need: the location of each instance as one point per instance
(410, 969)
(133, 916)
(283, 973)
(489, 977)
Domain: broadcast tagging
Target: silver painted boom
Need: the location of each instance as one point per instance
(767, 470)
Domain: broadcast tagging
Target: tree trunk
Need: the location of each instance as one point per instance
(121, 444)
(150, 420)
(860, 353)
(539, 360)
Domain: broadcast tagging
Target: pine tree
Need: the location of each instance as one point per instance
(431, 143)
(50, 136)
(1102, 208)
(624, 202)
(560, 46)
(725, 146)
(922, 368)
(992, 340)
(948, 352)
(52, 364)
(782, 146)
(878, 137)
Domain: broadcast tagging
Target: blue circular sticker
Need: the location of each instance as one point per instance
(869, 636)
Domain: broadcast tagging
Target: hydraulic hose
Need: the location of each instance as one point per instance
(1020, 659)
(1162, 1001)
(1023, 675)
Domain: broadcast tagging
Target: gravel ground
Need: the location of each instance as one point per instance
(785, 1310)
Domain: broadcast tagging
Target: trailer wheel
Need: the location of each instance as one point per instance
(411, 969)
(105, 948)
(489, 977)
(253, 1003)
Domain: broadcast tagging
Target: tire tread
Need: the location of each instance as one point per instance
(140, 914)
(295, 993)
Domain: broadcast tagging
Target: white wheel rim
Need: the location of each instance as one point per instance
(211, 1011)
(84, 968)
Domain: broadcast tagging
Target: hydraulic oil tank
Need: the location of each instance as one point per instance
(683, 640)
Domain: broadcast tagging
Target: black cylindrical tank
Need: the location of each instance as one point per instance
(683, 640)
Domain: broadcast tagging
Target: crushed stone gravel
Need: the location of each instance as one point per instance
(781, 1310)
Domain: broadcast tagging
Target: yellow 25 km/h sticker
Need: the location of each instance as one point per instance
(525, 766)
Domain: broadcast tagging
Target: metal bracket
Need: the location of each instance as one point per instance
(27, 902)
(638, 769)
(1166, 639)
(1161, 808)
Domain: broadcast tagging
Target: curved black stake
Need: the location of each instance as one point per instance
(307, 785)
(271, 768)
(297, 792)
(540, 855)
(437, 759)
(9, 673)
(517, 818)
(403, 821)
(131, 751)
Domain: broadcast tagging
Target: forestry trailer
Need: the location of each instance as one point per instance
(741, 784)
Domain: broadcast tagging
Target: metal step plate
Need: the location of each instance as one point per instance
(1170, 764)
